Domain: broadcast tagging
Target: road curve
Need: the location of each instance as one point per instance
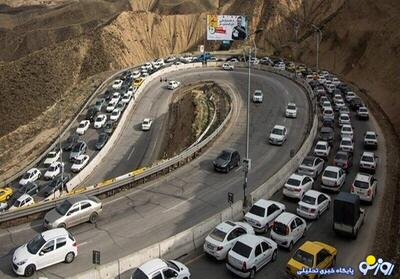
(151, 212)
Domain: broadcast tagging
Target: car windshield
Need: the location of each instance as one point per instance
(27, 175)
(277, 131)
(341, 156)
(370, 136)
(291, 107)
(53, 168)
(257, 93)
(293, 182)
(78, 161)
(308, 161)
(367, 159)
(330, 174)
(139, 274)
(115, 112)
(304, 258)
(361, 184)
(102, 137)
(279, 228)
(225, 155)
(99, 119)
(346, 129)
(81, 125)
(18, 203)
(218, 235)
(35, 244)
(77, 148)
(257, 210)
(51, 155)
(308, 199)
(242, 249)
(172, 265)
(63, 208)
(321, 147)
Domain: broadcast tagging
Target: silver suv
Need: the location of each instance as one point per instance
(73, 211)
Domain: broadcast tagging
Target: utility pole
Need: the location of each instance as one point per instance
(319, 38)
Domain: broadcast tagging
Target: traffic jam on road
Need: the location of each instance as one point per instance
(268, 226)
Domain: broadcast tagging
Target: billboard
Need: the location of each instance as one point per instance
(226, 27)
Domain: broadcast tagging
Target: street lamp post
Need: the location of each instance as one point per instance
(319, 37)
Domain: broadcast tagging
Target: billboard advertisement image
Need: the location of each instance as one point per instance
(226, 27)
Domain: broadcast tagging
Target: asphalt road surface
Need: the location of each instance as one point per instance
(152, 212)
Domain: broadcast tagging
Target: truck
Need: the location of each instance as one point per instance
(348, 216)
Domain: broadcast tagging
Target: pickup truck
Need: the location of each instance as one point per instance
(348, 217)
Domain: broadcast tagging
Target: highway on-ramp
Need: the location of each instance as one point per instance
(154, 211)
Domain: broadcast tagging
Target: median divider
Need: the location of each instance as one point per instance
(193, 238)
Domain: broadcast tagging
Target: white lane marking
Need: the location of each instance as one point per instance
(194, 259)
(239, 168)
(130, 154)
(179, 204)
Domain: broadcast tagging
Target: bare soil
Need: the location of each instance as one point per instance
(190, 113)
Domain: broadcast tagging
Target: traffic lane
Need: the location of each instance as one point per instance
(164, 218)
(185, 205)
(350, 252)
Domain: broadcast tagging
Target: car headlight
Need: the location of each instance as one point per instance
(21, 262)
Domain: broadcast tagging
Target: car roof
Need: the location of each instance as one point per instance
(79, 157)
(368, 154)
(346, 125)
(291, 104)
(263, 203)
(322, 142)
(310, 247)
(250, 239)
(332, 168)
(312, 193)
(285, 217)
(152, 265)
(146, 120)
(226, 226)
(23, 197)
(370, 133)
(364, 177)
(51, 234)
(326, 129)
(297, 176)
(77, 198)
(347, 139)
(281, 127)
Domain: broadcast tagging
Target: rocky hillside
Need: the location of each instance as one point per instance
(48, 48)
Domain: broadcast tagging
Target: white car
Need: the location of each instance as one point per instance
(368, 162)
(161, 269)
(328, 113)
(131, 90)
(223, 237)
(278, 135)
(346, 144)
(115, 98)
(349, 95)
(330, 88)
(326, 104)
(337, 97)
(172, 84)
(146, 124)
(147, 66)
(117, 84)
(322, 149)
(336, 81)
(258, 96)
(339, 104)
(262, 214)
(333, 178)
(250, 254)
(83, 127)
(287, 229)
(79, 163)
(111, 106)
(266, 60)
(126, 98)
(135, 74)
(311, 166)
(227, 67)
(160, 61)
(30, 176)
(45, 249)
(346, 131)
(53, 170)
(254, 60)
(365, 186)
(23, 201)
(362, 113)
(52, 157)
(313, 204)
(297, 185)
(370, 140)
(100, 121)
(291, 110)
(156, 65)
(344, 118)
(116, 113)
(280, 66)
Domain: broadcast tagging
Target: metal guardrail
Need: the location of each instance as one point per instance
(115, 183)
